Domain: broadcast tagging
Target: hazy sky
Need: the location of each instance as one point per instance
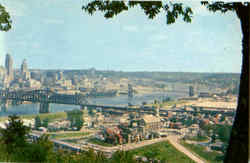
(57, 34)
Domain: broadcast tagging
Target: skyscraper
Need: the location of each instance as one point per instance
(60, 75)
(24, 70)
(24, 66)
(9, 67)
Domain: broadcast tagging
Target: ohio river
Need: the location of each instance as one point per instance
(25, 109)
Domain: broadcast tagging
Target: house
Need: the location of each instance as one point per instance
(112, 135)
(150, 123)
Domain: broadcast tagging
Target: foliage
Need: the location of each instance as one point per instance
(198, 138)
(173, 10)
(76, 118)
(123, 157)
(150, 8)
(38, 122)
(45, 122)
(5, 21)
(51, 116)
(40, 150)
(15, 145)
(223, 132)
(79, 123)
(15, 134)
(42, 123)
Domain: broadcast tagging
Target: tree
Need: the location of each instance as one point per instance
(45, 122)
(238, 148)
(144, 103)
(16, 148)
(5, 21)
(223, 132)
(75, 118)
(15, 134)
(79, 123)
(38, 122)
(213, 138)
(39, 151)
(123, 157)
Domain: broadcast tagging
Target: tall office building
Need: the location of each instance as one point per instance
(60, 75)
(24, 66)
(9, 67)
(24, 70)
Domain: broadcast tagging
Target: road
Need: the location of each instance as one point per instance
(131, 146)
(174, 140)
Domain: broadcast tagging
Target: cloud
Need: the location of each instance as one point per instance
(130, 28)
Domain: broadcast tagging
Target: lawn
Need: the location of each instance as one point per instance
(212, 156)
(198, 138)
(50, 116)
(99, 142)
(163, 151)
(68, 135)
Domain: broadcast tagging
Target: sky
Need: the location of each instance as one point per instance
(57, 34)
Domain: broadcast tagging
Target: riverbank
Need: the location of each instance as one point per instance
(50, 116)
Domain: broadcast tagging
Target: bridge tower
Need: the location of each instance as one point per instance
(44, 107)
(130, 93)
(157, 109)
(4, 105)
(191, 91)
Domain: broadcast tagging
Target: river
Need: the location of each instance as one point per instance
(25, 109)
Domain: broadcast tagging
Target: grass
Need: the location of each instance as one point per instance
(212, 156)
(68, 135)
(50, 116)
(198, 138)
(99, 142)
(163, 151)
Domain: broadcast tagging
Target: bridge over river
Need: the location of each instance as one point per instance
(45, 97)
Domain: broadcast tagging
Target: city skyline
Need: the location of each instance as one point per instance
(67, 38)
(24, 67)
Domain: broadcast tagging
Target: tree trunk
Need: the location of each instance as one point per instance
(238, 145)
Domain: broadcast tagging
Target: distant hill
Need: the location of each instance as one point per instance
(224, 79)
